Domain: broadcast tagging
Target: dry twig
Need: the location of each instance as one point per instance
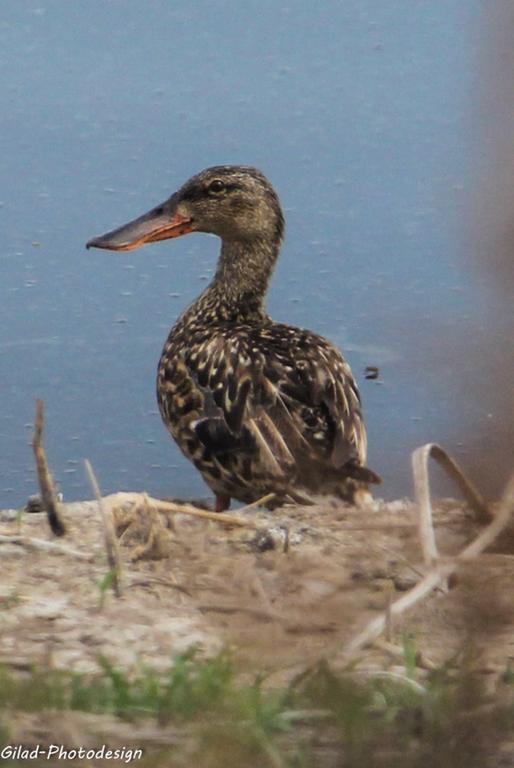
(259, 503)
(398, 653)
(170, 507)
(257, 613)
(48, 496)
(424, 507)
(420, 470)
(440, 571)
(396, 676)
(111, 543)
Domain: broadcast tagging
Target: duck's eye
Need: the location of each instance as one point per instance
(216, 186)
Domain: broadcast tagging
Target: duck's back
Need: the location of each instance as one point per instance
(263, 408)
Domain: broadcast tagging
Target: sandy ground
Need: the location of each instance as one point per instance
(301, 586)
(203, 583)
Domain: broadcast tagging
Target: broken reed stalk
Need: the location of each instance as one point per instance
(48, 496)
(170, 507)
(420, 458)
(186, 509)
(420, 470)
(111, 542)
(424, 508)
(440, 570)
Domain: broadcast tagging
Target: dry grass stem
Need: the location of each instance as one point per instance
(398, 652)
(423, 588)
(150, 581)
(300, 716)
(420, 469)
(218, 517)
(493, 530)
(45, 546)
(440, 571)
(259, 503)
(48, 496)
(376, 526)
(170, 507)
(389, 623)
(111, 543)
(258, 613)
(386, 674)
(424, 507)
(400, 556)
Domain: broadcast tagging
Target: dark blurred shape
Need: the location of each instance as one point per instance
(34, 504)
(371, 372)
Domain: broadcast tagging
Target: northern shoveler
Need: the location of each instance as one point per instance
(259, 407)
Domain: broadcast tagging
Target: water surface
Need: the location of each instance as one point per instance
(363, 115)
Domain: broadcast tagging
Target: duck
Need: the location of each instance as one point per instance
(264, 410)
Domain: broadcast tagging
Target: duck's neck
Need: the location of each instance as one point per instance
(238, 289)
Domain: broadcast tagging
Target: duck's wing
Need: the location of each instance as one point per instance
(285, 396)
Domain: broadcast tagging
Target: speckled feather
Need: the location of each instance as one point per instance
(262, 408)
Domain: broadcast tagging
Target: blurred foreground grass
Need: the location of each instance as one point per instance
(220, 717)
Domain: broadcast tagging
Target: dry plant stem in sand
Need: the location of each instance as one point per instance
(440, 570)
(45, 546)
(170, 507)
(48, 496)
(111, 543)
(422, 489)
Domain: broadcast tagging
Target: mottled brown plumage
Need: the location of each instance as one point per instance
(258, 406)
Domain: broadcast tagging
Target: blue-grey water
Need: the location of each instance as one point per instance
(370, 119)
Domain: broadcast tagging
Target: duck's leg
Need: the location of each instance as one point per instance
(222, 502)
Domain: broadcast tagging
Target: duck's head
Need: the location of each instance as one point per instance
(237, 203)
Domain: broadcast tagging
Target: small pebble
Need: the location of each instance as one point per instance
(271, 538)
(405, 580)
(34, 504)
